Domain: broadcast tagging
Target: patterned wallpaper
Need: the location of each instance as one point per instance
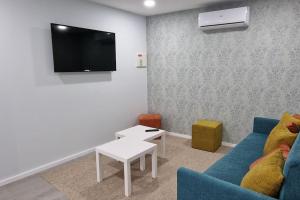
(230, 75)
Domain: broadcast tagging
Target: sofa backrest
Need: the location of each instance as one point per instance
(290, 188)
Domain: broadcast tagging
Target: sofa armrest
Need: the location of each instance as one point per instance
(264, 125)
(192, 185)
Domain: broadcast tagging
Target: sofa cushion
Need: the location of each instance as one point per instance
(235, 165)
(291, 172)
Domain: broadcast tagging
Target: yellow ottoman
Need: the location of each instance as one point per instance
(207, 135)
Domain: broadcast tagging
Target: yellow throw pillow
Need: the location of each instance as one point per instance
(277, 137)
(285, 149)
(281, 134)
(266, 177)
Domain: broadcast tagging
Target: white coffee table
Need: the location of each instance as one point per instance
(138, 133)
(126, 150)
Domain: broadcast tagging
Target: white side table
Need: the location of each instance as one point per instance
(139, 133)
(126, 150)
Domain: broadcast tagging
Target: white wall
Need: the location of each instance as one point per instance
(45, 116)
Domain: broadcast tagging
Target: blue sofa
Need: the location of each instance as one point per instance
(222, 180)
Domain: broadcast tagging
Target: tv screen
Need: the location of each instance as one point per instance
(82, 50)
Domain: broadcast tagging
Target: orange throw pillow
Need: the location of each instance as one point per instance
(293, 128)
(285, 149)
(297, 116)
(288, 118)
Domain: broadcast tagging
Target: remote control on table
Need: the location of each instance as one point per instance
(152, 130)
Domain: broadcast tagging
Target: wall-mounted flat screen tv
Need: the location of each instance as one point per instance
(82, 50)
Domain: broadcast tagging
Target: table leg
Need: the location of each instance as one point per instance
(127, 178)
(99, 167)
(163, 144)
(154, 163)
(142, 163)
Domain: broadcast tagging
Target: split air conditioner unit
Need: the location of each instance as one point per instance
(230, 18)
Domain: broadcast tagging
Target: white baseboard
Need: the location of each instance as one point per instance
(227, 144)
(190, 137)
(45, 167)
(180, 135)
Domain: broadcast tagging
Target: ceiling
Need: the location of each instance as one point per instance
(162, 6)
